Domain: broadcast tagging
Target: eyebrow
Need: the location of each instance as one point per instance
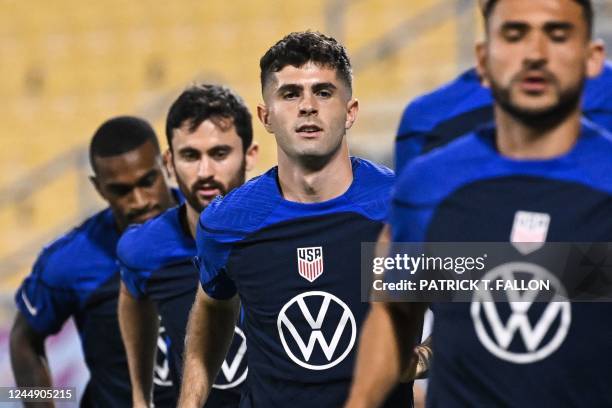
(514, 25)
(323, 85)
(219, 147)
(558, 25)
(150, 173)
(548, 26)
(186, 149)
(289, 88)
(298, 88)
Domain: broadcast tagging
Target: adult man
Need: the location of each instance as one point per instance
(540, 167)
(77, 274)
(460, 106)
(210, 136)
(286, 241)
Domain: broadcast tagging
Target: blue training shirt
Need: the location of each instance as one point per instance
(296, 268)
(157, 262)
(561, 355)
(460, 106)
(77, 275)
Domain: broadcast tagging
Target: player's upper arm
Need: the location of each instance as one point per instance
(45, 298)
(22, 332)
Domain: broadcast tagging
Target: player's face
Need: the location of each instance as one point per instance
(537, 55)
(133, 184)
(308, 109)
(209, 161)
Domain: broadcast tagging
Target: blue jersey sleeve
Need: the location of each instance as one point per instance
(45, 306)
(213, 249)
(211, 259)
(133, 275)
(135, 280)
(410, 138)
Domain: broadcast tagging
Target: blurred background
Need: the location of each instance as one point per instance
(68, 65)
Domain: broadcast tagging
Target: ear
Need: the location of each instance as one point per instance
(481, 62)
(596, 58)
(352, 107)
(168, 164)
(251, 155)
(264, 116)
(96, 183)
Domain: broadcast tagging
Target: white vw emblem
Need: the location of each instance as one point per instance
(230, 367)
(557, 310)
(345, 322)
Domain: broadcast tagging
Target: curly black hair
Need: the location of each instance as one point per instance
(298, 48)
(204, 101)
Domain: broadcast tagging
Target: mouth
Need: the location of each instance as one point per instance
(534, 83)
(309, 131)
(144, 216)
(207, 193)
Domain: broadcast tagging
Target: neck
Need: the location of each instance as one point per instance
(193, 217)
(517, 140)
(302, 184)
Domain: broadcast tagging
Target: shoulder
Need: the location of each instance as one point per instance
(88, 246)
(597, 90)
(461, 94)
(596, 155)
(372, 187)
(433, 175)
(372, 175)
(245, 208)
(155, 243)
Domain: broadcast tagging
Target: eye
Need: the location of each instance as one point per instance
(190, 155)
(119, 190)
(220, 154)
(325, 93)
(559, 35)
(289, 95)
(513, 34)
(148, 180)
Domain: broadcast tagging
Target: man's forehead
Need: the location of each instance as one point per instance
(536, 12)
(129, 165)
(210, 132)
(308, 74)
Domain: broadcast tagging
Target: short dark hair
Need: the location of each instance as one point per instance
(120, 135)
(204, 101)
(587, 8)
(298, 48)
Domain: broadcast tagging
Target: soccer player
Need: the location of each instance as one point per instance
(210, 136)
(287, 243)
(542, 169)
(77, 275)
(460, 106)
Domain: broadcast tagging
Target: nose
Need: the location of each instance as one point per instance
(205, 168)
(140, 198)
(537, 50)
(308, 105)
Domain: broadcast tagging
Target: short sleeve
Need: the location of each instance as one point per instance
(135, 280)
(44, 306)
(213, 249)
(409, 140)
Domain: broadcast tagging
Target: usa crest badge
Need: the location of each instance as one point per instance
(310, 262)
(529, 231)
